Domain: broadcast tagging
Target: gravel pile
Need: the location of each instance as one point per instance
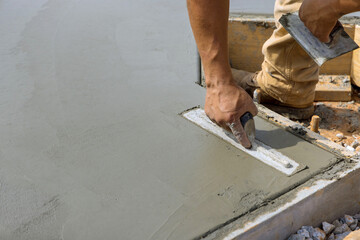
(336, 230)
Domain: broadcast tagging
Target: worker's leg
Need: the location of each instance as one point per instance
(288, 73)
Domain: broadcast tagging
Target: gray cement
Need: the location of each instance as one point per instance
(92, 146)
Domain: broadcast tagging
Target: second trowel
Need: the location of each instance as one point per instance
(321, 52)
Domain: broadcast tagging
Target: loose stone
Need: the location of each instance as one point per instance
(318, 234)
(342, 235)
(342, 229)
(331, 237)
(349, 220)
(327, 227)
(296, 237)
(355, 144)
(304, 232)
(340, 135)
(309, 229)
(337, 223)
(354, 225)
(342, 105)
(350, 148)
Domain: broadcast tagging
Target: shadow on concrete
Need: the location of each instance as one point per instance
(277, 138)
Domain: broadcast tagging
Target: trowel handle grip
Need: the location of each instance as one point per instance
(245, 118)
(334, 35)
(338, 27)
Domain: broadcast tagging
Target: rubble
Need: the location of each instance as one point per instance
(355, 144)
(343, 228)
(338, 230)
(349, 220)
(327, 227)
(340, 135)
(350, 148)
(340, 121)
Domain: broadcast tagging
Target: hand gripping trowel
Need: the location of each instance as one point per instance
(259, 150)
(339, 44)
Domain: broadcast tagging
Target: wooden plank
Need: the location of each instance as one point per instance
(247, 34)
(246, 38)
(333, 88)
(355, 65)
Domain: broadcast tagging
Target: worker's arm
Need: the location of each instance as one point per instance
(225, 102)
(320, 16)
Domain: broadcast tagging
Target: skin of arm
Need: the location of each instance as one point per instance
(225, 102)
(321, 16)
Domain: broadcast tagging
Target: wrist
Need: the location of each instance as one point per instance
(337, 8)
(217, 73)
(343, 7)
(218, 81)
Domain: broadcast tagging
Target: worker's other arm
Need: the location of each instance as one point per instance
(320, 16)
(225, 102)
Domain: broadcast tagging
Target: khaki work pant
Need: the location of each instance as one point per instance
(288, 73)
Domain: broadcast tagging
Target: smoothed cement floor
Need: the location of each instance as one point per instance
(92, 146)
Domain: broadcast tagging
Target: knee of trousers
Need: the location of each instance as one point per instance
(296, 92)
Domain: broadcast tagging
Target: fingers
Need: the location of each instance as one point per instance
(319, 26)
(239, 133)
(325, 38)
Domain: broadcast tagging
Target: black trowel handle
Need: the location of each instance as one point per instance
(334, 35)
(245, 118)
(247, 121)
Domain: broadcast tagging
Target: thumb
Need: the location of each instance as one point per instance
(324, 38)
(239, 133)
(324, 34)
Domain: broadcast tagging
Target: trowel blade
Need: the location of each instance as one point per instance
(248, 124)
(340, 43)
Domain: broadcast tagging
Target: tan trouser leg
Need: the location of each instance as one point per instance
(288, 73)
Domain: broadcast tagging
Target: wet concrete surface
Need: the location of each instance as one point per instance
(92, 146)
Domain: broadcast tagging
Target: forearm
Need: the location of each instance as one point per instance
(209, 22)
(347, 6)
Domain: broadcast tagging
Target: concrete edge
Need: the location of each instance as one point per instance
(243, 225)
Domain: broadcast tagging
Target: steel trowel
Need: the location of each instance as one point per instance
(339, 44)
(247, 121)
